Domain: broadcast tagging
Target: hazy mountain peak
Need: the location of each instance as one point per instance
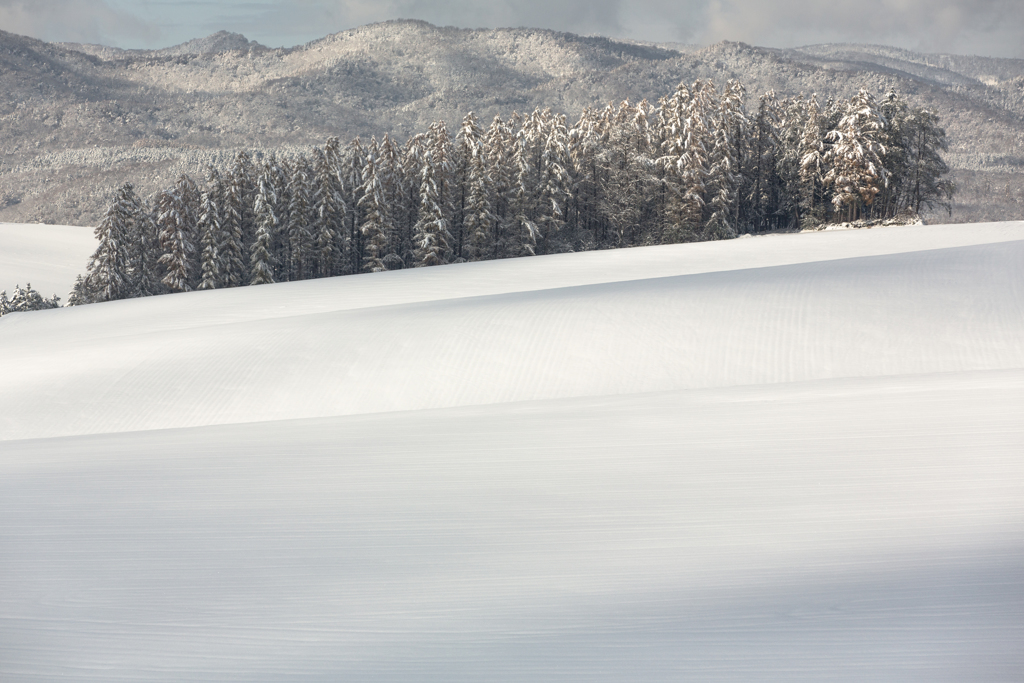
(221, 41)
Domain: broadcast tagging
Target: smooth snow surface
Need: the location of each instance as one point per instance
(791, 458)
(48, 257)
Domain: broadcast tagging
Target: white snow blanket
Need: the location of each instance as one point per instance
(48, 257)
(792, 458)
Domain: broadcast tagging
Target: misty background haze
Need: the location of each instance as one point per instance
(992, 28)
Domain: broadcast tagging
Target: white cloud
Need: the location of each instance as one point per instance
(86, 21)
(994, 27)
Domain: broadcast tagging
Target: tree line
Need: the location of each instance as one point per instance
(698, 165)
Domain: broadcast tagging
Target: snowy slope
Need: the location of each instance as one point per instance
(784, 458)
(792, 308)
(48, 257)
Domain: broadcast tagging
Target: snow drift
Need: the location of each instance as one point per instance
(790, 458)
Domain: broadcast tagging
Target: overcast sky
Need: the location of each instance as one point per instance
(985, 27)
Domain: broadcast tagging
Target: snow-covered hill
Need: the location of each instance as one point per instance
(794, 457)
(48, 257)
(79, 120)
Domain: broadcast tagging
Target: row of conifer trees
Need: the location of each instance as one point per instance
(26, 299)
(699, 165)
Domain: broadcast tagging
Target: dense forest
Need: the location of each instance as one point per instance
(701, 164)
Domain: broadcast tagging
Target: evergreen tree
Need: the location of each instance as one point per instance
(411, 170)
(686, 158)
(554, 186)
(812, 166)
(526, 153)
(177, 239)
(373, 205)
(244, 174)
(855, 168)
(230, 241)
(474, 218)
(26, 299)
(329, 214)
(352, 182)
(210, 230)
(499, 164)
(763, 144)
(146, 258)
(925, 172)
(396, 187)
(278, 193)
(108, 276)
(300, 240)
(76, 297)
(624, 169)
(787, 183)
(433, 237)
(261, 260)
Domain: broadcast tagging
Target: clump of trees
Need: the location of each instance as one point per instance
(26, 299)
(698, 165)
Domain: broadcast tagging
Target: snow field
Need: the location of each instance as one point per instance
(863, 529)
(48, 257)
(785, 458)
(524, 334)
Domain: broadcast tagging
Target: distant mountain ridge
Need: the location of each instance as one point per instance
(78, 120)
(221, 41)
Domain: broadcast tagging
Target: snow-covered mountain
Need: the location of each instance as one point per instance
(77, 121)
(793, 457)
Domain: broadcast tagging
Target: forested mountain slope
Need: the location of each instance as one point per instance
(77, 121)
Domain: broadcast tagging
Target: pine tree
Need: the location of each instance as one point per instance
(76, 297)
(686, 157)
(812, 166)
(177, 239)
(209, 230)
(763, 146)
(300, 240)
(26, 299)
(925, 172)
(526, 154)
(623, 167)
(722, 187)
(108, 276)
(554, 186)
(410, 171)
(278, 193)
(261, 260)
(146, 258)
(329, 214)
(856, 172)
(244, 173)
(352, 183)
(729, 126)
(373, 205)
(399, 224)
(230, 249)
(474, 219)
(498, 162)
(786, 185)
(433, 237)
